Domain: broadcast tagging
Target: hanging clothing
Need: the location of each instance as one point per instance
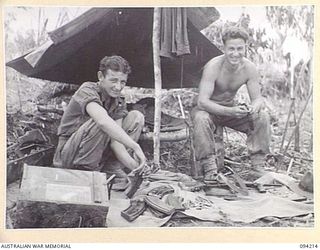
(173, 32)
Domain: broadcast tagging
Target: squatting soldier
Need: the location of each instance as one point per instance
(96, 119)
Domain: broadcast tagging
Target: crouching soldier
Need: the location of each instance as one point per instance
(96, 118)
(221, 79)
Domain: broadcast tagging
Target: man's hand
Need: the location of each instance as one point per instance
(239, 111)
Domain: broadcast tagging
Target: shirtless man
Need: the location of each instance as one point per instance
(221, 79)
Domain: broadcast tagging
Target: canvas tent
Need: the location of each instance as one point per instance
(75, 49)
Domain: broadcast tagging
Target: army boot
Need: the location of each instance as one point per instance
(210, 169)
(257, 169)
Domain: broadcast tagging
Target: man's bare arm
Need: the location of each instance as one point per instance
(109, 126)
(257, 100)
(121, 152)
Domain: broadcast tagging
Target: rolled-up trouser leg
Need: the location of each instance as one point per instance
(203, 134)
(258, 139)
(204, 142)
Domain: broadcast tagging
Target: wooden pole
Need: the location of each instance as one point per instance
(311, 48)
(286, 127)
(157, 85)
(297, 130)
(39, 22)
(293, 99)
(298, 122)
(292, 104)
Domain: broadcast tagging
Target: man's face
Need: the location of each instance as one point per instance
(113, 82)
(235, 50)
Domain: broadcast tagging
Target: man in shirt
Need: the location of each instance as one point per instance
(221, 79)
(96, 118)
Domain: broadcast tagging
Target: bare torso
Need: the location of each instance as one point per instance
(228, 80)
(221, 79)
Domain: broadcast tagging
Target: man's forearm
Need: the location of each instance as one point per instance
(110, 127)
(214, 108)
(123, 156)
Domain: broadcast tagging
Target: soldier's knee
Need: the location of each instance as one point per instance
(264, 116)
(201, 116)
(136, 116)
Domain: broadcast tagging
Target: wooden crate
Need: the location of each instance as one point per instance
(61, 198)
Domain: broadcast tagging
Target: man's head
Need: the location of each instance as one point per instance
(113, 74)
(234, 41)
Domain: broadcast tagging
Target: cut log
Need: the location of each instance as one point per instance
(166, 136)
(50, 109)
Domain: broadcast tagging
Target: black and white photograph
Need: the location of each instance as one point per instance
(147, 117)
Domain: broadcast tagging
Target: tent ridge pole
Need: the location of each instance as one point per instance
(157, 85)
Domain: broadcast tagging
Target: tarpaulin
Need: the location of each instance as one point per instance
(77, 48)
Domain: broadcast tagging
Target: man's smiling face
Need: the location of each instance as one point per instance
(113, 82)
(234, 50)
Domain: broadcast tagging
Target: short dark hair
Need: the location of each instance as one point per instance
(234, 32)
(116, 63)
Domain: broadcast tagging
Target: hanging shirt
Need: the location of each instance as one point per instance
(173, 32)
